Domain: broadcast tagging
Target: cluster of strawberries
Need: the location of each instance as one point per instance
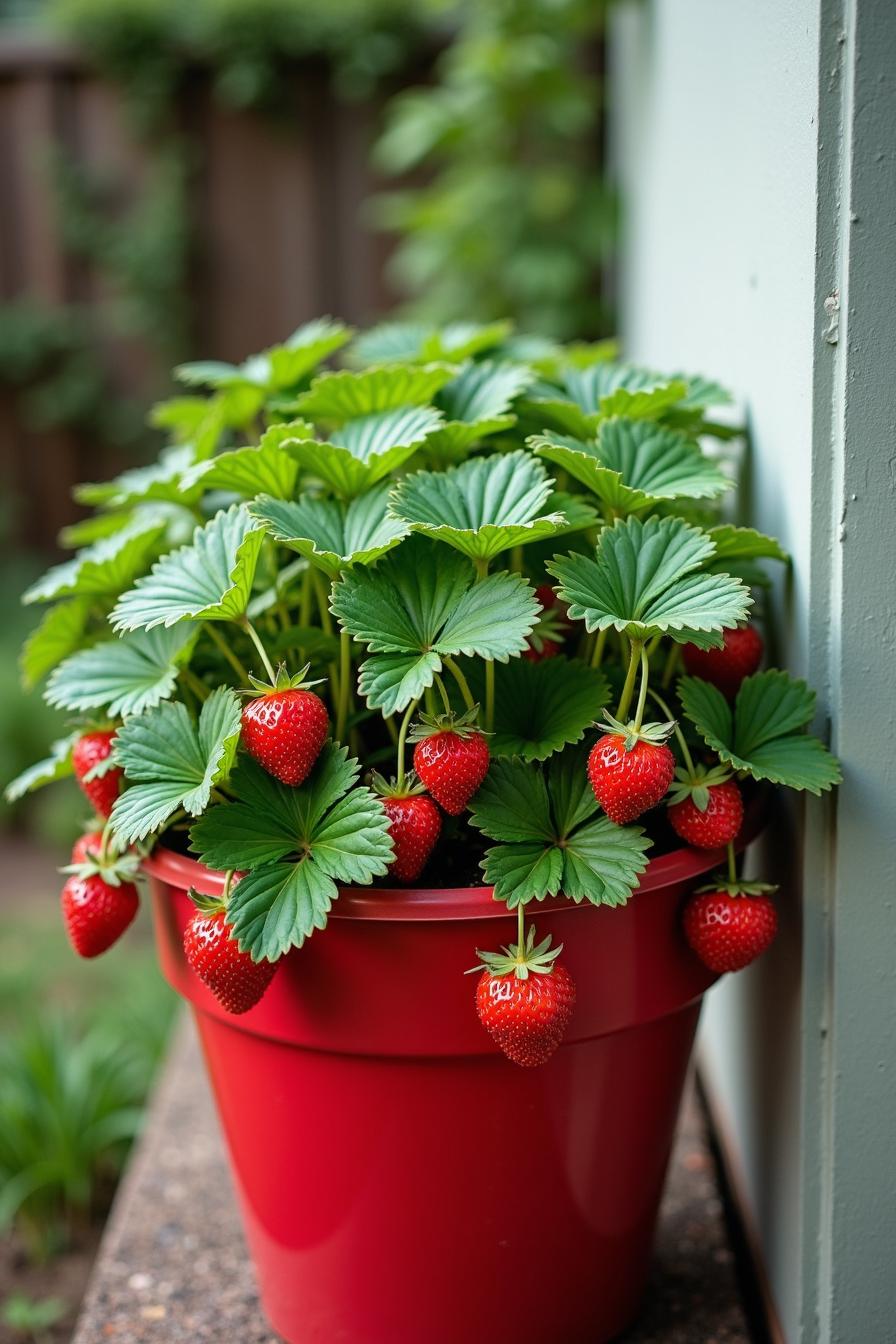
(524, 997)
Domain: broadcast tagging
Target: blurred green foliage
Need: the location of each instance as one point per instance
(249, 45)
(26, 721)
(73, 1075)
(30, 1318)
(515, 218)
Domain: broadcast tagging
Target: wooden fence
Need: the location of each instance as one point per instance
(276, 212)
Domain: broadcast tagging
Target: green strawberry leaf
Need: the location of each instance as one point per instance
(476, 404)
(209, 373)
(160, 482)
(335, 398)
(331, 534)
(420, 605)
(647, 579)
(541, 707)
(744, 543)
(292, 362)
(483, 391)
(103, 569)
(764, 736)
(266, 468)
(123, 676)
(482, 507)
(297, 845)
(546, 851)
(412, 341)
(633, 464)
(172, 762)
(462, 340)
(61, 631)
(389, 343)
(211, 579)
(366, 450)
(58, 765)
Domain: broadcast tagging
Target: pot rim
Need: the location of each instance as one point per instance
(678, 867)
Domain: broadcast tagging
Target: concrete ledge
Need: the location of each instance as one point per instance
(173, 1266)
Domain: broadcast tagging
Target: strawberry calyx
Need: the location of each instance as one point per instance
(207, 905)
(737, 888)
(410, 787)
(696, 784)
(463, 725)
(551, 627)
(282, 680)
(656, 734)
(115, 869)
(521, 961)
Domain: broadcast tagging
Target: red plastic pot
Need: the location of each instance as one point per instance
(403, 1183)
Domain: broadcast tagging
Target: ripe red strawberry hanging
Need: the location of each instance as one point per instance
(730, 924)
(706, 808)
(524, 999)
(100, 781)
(89, 846)
(285, 727)
(451, 757)
(739, 657)
(630, 768)
(236, 981)
(415, 824)
(86, 846)
(549, 635)
(99, 899)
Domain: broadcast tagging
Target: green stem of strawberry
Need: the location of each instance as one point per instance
(670, 665)
(262, 652)
(104, 842)
(326, 624)
(443, 693)
(625, 699)
(685, 750)
(461, 682)
(597, 654)
(481, 573)
(228, 883)
(642, 694)
(195, 685)
(732, 863)
(489, 695)
(520, 930)
(345, 677)
(225, 650)
(305, 599)
(402, 736)
(323, 607)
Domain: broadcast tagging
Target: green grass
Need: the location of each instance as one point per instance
(80, 1043)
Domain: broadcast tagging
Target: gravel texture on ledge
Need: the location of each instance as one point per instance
(173, 1267)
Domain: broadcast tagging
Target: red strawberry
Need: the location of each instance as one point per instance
(415, 824)
(525, 1000)
(88, 752)
(96, 912)
(285, 728)
(548, 637)
(726, 668)
(87, 846)
(629, 779)
(728, 931)
(451, 758)
(236, 981)
(719, 821)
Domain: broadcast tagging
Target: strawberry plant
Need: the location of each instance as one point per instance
(504, 562)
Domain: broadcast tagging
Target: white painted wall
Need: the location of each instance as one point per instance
(715, 138)
(757, 144)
